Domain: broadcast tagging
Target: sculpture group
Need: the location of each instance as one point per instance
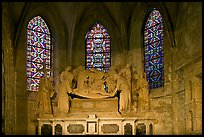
(95, 84)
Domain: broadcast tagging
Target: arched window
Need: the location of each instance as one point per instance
(153, 42)
(98, 49)
(38, 52)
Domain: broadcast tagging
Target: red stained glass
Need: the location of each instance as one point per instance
(98, 48)
(38, 51)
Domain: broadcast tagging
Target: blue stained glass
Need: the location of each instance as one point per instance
(38, 51)
(153, 42)
(98, 48)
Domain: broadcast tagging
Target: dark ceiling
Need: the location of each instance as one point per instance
(115, 8)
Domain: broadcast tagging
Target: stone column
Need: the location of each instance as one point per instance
(9, 75)
(147, 128)
(197, 90)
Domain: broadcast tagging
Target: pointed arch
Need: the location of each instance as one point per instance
(98, 48)
(153, 45)
(38, 52)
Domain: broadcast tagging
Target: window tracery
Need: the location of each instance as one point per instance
(98, 50)
(38, 52)
(153, 42)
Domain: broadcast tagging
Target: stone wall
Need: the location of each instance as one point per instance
(187, 60)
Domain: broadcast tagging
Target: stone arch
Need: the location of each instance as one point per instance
(168, 26)
(56, 30)
(25, 99)
(95, 13)
(138, 21)
(107, 39)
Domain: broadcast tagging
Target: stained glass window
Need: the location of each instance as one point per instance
(98, 49)
(38, 52)
(153, 42)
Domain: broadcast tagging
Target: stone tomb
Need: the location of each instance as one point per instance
(95, 103)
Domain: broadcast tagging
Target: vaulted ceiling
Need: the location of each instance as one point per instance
(114, 8)
(120, 13)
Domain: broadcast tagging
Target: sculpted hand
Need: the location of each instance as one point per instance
(70, 90)
(113, 93)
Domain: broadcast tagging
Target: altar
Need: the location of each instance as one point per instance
(93, 125)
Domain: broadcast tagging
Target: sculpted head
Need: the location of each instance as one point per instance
(112, 70)
(45, 72)
(93, 70)
(68, 68)
(144, 75)
(128, 65)
(112, 67)
(80, 68)
(134, 69)
(115, 77)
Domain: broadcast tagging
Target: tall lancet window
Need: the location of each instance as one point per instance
(38, 52)
(98, 50)
(153, 45)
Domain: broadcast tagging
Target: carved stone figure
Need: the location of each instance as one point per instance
(111, 84)
(83, 78)
(65, 88)
(45, 94)
(125, 93)
(76, 73)
(126, 73)
(96, 80)
(134, 88)
(92, 84)
(135, 78)
(143, 91)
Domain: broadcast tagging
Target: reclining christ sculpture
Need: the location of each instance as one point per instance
(94, 84)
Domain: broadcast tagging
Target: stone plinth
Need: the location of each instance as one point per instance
(94, 105)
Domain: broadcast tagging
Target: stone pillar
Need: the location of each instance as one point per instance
(53, 128)
(197, 90)
(147, 128)
(39, 128)
(9, 76)
(134, 128)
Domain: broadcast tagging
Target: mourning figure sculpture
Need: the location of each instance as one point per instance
(143, 91)
(45, 94)
(65, 87)
(125, 94)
